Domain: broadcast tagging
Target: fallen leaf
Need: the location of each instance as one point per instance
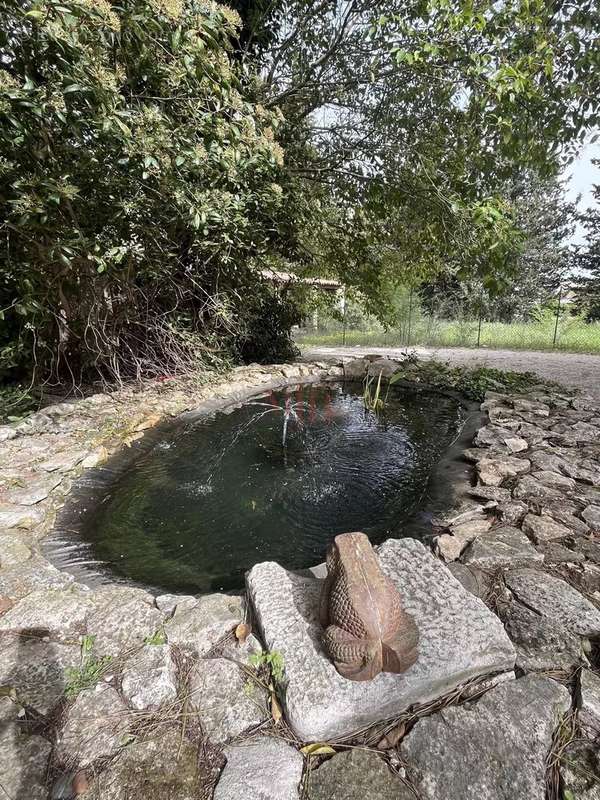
(80, 783)
(5, 604)
(276, 712)
(149, 422)
(392, 737)
(317, 749)
(242, 632)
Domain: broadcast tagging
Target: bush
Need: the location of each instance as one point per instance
(139, 187)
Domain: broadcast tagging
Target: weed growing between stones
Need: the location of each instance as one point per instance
(88, 673)
(563, 736)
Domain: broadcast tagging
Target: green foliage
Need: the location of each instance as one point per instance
(372, 396)
(88, 673)
(273, 660)
(157, 638)
(15, 402)
(139, 186)
(588, 262)
(471, 383)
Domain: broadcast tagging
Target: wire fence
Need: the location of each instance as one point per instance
(438, 325)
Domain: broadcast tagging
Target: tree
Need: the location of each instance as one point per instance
(140, 189)
(588, 262)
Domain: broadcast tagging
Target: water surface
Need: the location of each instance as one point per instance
(214, 497)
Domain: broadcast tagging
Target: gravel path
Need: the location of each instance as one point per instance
(571, 369)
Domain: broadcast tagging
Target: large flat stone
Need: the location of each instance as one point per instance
(34, 491)
(149, 678)
(198, 626)
(55, 612)
(542, 643)
(494, 749)
(501, 548)
(589, 702)
(459, 639)
(121, 619)
(356, 775)
(554, 598)
(260, 769)
(23, 764)
(14, 516)
(226, 701)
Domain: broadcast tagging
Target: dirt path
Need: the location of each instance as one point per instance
(571, 369)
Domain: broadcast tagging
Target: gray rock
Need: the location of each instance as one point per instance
(355, 369)
(97, 726)
(544, 529)
(35, 574)
(494, 750)
(589, 548)
(493, 471)
(199, 627)
(36, 669)
(554, 481)
(226, 700)
(491, 435)
(386, 367)
(528, 488)
(34, 491)
(474, 580)
(539, 409)
(555, 599)
(149, 678)
(12, 550)
(532, 433)
(162, 768)
(496, 493)
(502, 548)
(167, 603)
(25, 517)
(515, 444)
(121, 618)
(63, 462)
(584, 577)
(260, 769)
(59, 613)
(542, 644)
(591, 515)
(564, 512)
(580, 771)
(557, 554)
(459, 639)
(589, 702)
(512, 513)
(23, 763)
(7, 432)
(356, 775)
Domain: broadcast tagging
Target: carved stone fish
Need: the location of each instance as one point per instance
(366, 629)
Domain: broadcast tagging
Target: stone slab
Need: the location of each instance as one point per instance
(459, 640)
(542, 643)
(554, 598)
(589, 702)
(500, 548)
(23, 764)
(149, 678)
(260, 769)
(198, 626)
(494, 749)
(356, 775)
(121, 619)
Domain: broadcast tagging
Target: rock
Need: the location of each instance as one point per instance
(532, 433)
(554, 481)
(149, 678)
(36, 573)
(167, 603)
(584, 577)
(491, 435)
(557, 554)
(496, 493)
(386, 367)
(580, 771)
(36, 668)
(515, 444)
(528, 488)
(450, 546)
(591, 515)
(564, 512)
(502, 548)
(12, 550)
(355, 369)
(493, 471)
(542, 644)
(589, 548)
(459, 639)
(198, 628)
(161, 768)
(553, 598)
(122, 618)
(589, 702)
(356, 775)
(34, 491)
(97, 726)
(7, 432)
(59, 613)
(12, 516)
(260, 769)
(474, 580)
(512, 513)
(544, 529)
(226, 701)
(539, 409)
(23, 763)
(63, 462)
(494, 749)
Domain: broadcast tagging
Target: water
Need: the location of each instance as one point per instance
(214, 497)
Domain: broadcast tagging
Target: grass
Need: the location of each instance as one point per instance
(573, 335)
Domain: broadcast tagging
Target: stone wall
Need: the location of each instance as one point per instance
(116, 693)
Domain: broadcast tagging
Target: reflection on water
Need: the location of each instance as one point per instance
(273, 480)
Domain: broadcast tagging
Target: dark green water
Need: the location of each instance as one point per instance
(215, 497)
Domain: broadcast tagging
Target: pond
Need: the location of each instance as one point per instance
(275, 479)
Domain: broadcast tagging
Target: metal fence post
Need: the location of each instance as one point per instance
(557, 316)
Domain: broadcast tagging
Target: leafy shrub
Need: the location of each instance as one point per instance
(139, 188)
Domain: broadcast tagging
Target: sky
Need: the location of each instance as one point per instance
(582, 176)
